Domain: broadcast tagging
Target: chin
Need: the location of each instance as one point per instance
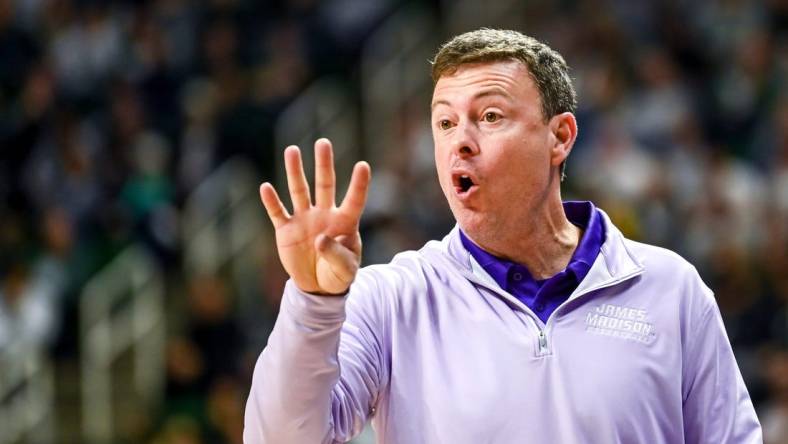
(473, 223)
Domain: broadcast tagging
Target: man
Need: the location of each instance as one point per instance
(532, 321)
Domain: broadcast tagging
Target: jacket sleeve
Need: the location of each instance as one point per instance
(717, 407)
(318, 378)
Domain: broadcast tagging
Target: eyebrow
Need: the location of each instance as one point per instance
(495, 91)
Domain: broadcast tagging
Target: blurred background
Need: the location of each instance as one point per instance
(138, 280)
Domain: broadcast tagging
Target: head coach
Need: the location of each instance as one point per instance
(533, 320)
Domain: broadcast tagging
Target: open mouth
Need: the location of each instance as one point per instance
(463, 183)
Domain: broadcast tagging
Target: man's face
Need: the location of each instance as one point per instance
(492, 146)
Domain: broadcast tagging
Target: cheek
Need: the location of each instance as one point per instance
(524, 165)
(440, 168)
(441, 160)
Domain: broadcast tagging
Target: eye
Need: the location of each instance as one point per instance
(444, 124)
(491, 117)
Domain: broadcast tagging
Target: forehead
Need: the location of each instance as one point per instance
(508, 77)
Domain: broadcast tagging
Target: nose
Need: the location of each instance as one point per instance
(465, 143)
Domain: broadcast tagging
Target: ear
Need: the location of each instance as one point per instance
(563, 128)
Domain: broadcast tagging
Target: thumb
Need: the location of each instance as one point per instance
(342, 262)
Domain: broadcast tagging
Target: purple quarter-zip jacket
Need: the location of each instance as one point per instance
(434, 351)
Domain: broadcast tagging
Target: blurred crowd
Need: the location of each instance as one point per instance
(112, 112)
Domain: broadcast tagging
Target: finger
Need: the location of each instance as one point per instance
(273, 205)
(351, 242)
(296, 181)
(356, 196)
(342, 262)
(325, 178)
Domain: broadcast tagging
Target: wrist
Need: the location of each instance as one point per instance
(320, 292)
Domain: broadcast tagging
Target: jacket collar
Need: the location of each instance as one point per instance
(615, 262)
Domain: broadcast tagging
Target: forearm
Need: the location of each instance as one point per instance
(290, 400)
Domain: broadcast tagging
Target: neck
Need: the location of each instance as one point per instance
(543, 242)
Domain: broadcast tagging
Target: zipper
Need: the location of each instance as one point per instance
(543, 349)
(543, 326)
(542, 342)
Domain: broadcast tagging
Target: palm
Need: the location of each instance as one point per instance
(319, 245)
(296, 244)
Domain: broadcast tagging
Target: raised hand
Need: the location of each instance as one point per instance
(319, 244)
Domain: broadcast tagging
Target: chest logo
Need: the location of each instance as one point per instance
(620, 322)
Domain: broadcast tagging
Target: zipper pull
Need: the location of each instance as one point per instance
(542, 341)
